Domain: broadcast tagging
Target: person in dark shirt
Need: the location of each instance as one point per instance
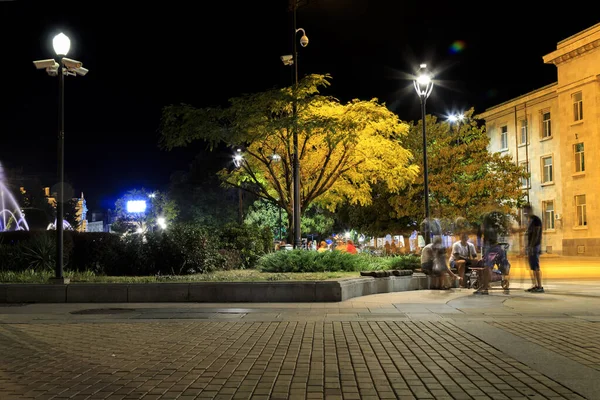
(534, 244)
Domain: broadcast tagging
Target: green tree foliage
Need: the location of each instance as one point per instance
(200, 198)
(344, 149)
(465, 179)
(315, 220)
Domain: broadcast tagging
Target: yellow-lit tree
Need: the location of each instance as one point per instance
(344, 149)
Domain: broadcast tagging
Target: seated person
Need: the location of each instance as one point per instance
(463, 256)
(433, 262)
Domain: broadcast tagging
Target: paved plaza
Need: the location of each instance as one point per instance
(410, 345)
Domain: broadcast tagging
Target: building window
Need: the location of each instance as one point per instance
(523, 138)
(548, 207)
(577, 106)
(581, 212)
(579, 159)
(504, 137)
(546, 125)
(525, 182)
(547, 173)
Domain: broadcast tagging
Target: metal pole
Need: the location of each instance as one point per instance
(240, 200)
(296, 216)
(425, 171)
(280, 223)
(61, 172)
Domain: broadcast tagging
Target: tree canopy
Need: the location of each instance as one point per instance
(344, 149)
(465, 179)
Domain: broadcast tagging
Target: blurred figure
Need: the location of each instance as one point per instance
(534, 243)
(323, 247)
(494, 225)
(433, 257)
(350, 248)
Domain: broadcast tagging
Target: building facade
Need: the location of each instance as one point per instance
(555, 133)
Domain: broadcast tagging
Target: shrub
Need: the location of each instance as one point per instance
(183, 249)
(408, 261)
(248, 242)
(94, 251)
(39, 253)
(310, 261)
(331, 261)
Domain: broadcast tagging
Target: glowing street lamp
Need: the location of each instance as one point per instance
(162, 222)
(238, 159)
(66, 66)
(455, 118)
(424, 85)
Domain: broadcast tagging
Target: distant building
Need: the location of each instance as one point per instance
(95, 226)
(80, 209)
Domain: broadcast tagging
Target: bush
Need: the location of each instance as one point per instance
(408, 261)
(94, 251)
(243, 245)
(183, 249)
(309, 261)
(332, 261)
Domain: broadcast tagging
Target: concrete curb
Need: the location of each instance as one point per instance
(210, 292)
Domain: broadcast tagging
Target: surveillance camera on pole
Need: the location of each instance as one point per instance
(287, 59)
(64, 67)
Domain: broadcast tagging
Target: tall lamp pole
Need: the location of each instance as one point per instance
(238, 158)
(293, 60)
(65, 66)
(303, 43)
(424, 85)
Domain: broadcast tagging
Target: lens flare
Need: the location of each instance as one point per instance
(458, 46)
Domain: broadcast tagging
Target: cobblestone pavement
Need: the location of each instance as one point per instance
(579, 341)
(412, 345)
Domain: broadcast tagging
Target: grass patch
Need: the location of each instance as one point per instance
(248, 275)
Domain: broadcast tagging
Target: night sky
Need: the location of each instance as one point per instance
(144, 57)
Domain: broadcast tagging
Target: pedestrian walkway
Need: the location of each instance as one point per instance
(409, 345)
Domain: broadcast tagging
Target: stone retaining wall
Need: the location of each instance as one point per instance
(210, 292)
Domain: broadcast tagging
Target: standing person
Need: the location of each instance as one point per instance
(488, 231)
(534, 244)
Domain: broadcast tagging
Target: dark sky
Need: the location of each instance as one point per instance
(144, 57)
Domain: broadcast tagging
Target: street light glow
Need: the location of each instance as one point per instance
(424, 79)
(61, 44)
(136, 206)
(162, 222)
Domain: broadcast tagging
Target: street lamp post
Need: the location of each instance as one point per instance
(238, 158)
(65, 66)
(293, 60)
(424, 85)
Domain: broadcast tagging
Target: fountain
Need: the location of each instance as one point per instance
(11, 217)
(66, 226)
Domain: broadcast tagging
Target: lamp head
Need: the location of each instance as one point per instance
(423, 83)
(61, 44)
(304, 41)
